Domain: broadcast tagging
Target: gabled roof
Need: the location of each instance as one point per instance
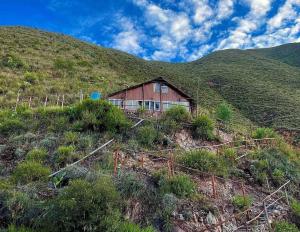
(161, 79)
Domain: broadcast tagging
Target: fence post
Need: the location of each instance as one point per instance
(213, 186)
(57, 101)
(18, 99)
(116, 158)
(267, 215)
(142, 160)
(45, 103)
(29, 102)
(62, 102)
(286, 195)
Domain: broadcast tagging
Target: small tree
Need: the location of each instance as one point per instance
(224, 112)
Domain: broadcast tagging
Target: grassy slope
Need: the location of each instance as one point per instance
(263, 84)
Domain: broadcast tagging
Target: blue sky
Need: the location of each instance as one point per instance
(167, 30)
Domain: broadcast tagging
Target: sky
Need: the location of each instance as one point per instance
(170, 30)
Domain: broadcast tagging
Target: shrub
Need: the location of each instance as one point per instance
(84, 206)
(276, 165)
(30, 77)
(202, 127)
(37, 155)
(261, 133)
(205, 161)
(284, 226)
(66, 154)
(13, 228)
(11, 125)
(129, 185)
(295, 206)
(180, 185)
(278, 176)
(146, 135)
(98, 116)
(224, 112)
(169, 205)
(177, 113)
(230, 154)
(29, 171)
(241, 202)
(13, 61)
(131, 227)
(70, 137)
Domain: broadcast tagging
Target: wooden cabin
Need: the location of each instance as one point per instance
(155, 96)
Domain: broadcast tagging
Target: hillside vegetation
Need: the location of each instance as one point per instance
(262, 85)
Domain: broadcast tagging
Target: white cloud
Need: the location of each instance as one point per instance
(185, 32)
(203, 11)
(225, 8)
(285, 13)
(129, 39)
(241, 37)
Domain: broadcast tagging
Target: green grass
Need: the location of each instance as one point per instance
(260, 84)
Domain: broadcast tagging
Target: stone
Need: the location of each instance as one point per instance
(211, 219)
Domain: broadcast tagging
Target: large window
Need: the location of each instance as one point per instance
(117, 102)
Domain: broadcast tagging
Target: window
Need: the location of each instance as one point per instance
(157, 106)
(164, 89)
(156, 87)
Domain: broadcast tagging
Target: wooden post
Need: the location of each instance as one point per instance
(172, 164)
(62, 102)
(17, 101)
(213, 186)
(81, 96)
(45, 103)
(268, 185)
(29, 102)
(286, 195)
(169, 168)
(57, 101)
(116, 154)
(142, 160)
(267, 216)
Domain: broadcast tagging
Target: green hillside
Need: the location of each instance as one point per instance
(261, 84)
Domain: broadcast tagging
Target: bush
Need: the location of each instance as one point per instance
(11, 125)
(66, 154)
(84, 206)
(13, 61)
(29, 171)
(98, 116)
(70, 137)
(169, 205)
(146, 135)
(275, 165)
(202, 127)
(205, 161)
(129, 185)
(38, 155)
(177, 113)
(295, 206)
(30, 77)
(224, 112)
(284, 226)
(261, 133)
(131, 227)
(241, 202)
(180, 185)
(13, 228)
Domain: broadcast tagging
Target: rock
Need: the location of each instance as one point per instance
(211, 219)
(181, 217)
